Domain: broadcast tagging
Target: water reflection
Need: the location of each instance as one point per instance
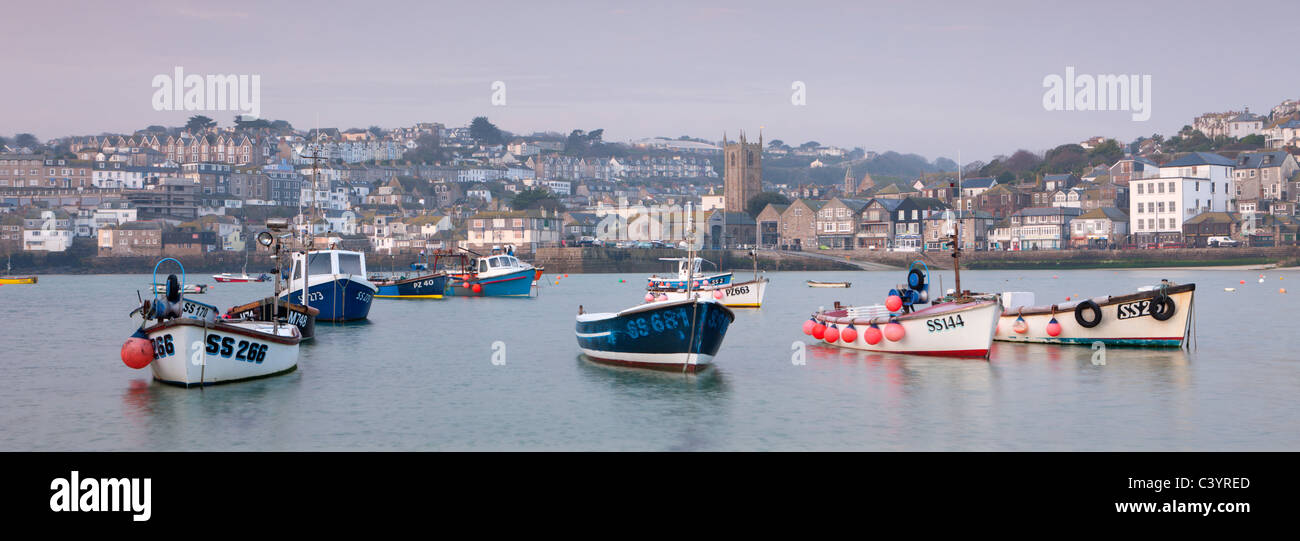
(696, 403)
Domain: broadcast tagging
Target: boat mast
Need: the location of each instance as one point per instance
(690, 249)
(956, 234)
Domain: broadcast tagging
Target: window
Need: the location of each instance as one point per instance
(1160, 186)
(318, 263)
(350, 264)
(1140, 184)
(1171, 187)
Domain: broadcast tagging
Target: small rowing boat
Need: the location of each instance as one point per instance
(188, 289)
(815, 283)
(226, 277)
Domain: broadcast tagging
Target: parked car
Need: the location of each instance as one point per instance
(1222, 242)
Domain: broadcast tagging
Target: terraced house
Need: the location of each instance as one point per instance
(526, 229)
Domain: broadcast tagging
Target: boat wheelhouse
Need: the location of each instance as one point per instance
(332, 281)
(688, 268)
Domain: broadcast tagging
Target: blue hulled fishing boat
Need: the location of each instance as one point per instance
(420, 284)
(668, 335)
(498, 275)
(332, 281)
(683, 334)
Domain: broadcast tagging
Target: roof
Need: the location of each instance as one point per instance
(1216, 217)
(1112, 213)
(855, 204)
(1048, 211)
(1256, 160)
(978, 182)
(1199, 158)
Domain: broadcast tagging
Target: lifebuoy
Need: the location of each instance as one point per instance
(1091, 307)
(1162, 307)
(915, 279)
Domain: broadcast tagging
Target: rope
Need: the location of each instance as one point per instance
(695, 307)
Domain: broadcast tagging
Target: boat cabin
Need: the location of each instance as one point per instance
(686, 267)
(500, 263)
(328, 262)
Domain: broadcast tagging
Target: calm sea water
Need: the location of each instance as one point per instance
(419, 376)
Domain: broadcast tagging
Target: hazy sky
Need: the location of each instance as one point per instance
(930, 78)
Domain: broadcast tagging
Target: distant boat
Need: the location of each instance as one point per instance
(188, 289)
(687, 267)
(1157, 316)
(15, 279)
(226, 277)
(815, 283)
(747, 294)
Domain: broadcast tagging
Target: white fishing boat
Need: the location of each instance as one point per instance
(959, 325)
(187, 344)
(189, 289)
(1159, 316)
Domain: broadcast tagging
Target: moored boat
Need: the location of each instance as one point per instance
(189, 289)
(815, 283)
(747, 294)
(680, 335)
(226, 277)
(1159, 316)
(489, 276)
(187, 345)
(959, 325)
(688, 274)
(423, 285)
(272, 309)
(17, 279)
(332, 281)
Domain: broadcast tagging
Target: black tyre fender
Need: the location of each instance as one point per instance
(1088, 306)
(916, 279)
(1163, 307)
(173, 289)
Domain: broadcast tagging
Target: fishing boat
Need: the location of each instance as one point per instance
(188, 289)
(680, 335)
(748, 294)
(1155, 316)
(423, 285)
(243, 276)
(272, 309)
(15, 279)
(486, 276)
(331, 281)
(960, 324)
(815, 283)
(226, 277)
(688, 267)
(185, 344)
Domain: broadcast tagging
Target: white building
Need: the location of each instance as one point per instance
(1195, 183)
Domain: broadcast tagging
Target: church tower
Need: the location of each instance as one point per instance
(850, 185)
(742, 176)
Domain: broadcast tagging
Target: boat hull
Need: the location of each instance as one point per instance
(17, 280)
(339, 299)
(669, 335)
(302, 317)
(813, 283)
(189, 353)
(431, 286)
(946, 330)
(738, 295)
(229, 279)
(515, 284)
(1125, 321)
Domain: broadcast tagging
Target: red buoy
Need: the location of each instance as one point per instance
(894, 332)
(832, 334)
(649, 297)
(808, 326)
(894, 303)
(137, 352)
(478, 288)
(1021, 327)
(819, 331)
(1053, 328)
(872, 335)
(849, 334)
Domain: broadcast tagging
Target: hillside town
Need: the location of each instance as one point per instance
(1226, 179)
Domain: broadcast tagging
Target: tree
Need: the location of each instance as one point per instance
(3, 141)
(376, 131)
(26, 140)
(810, 145)
(760, 201)
(484, 132)
(199, 123)
(776, 143)
(1006, 177)
(1108, 152)
(427, 150)
(533, 198)
(241, 124)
